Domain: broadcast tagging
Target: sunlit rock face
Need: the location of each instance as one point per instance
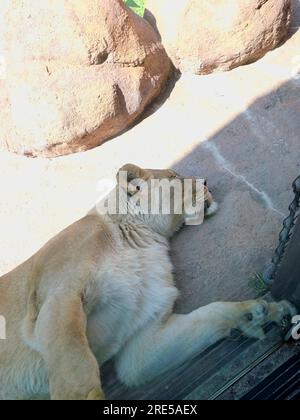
(209, 35)
(74, 73)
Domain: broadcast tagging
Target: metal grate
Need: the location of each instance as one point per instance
(283, 384)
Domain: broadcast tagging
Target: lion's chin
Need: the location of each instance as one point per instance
(213, 208)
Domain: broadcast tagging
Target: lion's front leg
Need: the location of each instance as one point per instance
(61, 336)
(166, 344)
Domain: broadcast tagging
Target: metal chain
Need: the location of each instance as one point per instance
(285, 235)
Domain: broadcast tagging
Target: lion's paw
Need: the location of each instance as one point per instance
(259, 313)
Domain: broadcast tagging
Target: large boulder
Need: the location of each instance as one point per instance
(208, 35)
(77, 73)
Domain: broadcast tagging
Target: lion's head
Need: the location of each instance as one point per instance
(163, 199)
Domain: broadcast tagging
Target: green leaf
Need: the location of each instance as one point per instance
(257, 283)
(138, 6)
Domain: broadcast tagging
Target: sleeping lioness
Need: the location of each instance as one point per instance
(103, 289)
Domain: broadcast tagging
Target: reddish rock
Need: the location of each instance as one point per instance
(77, 73)
(209, 35)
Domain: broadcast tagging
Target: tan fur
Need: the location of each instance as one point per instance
(103, 289)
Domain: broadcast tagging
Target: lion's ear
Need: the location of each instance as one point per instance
(132, 172)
